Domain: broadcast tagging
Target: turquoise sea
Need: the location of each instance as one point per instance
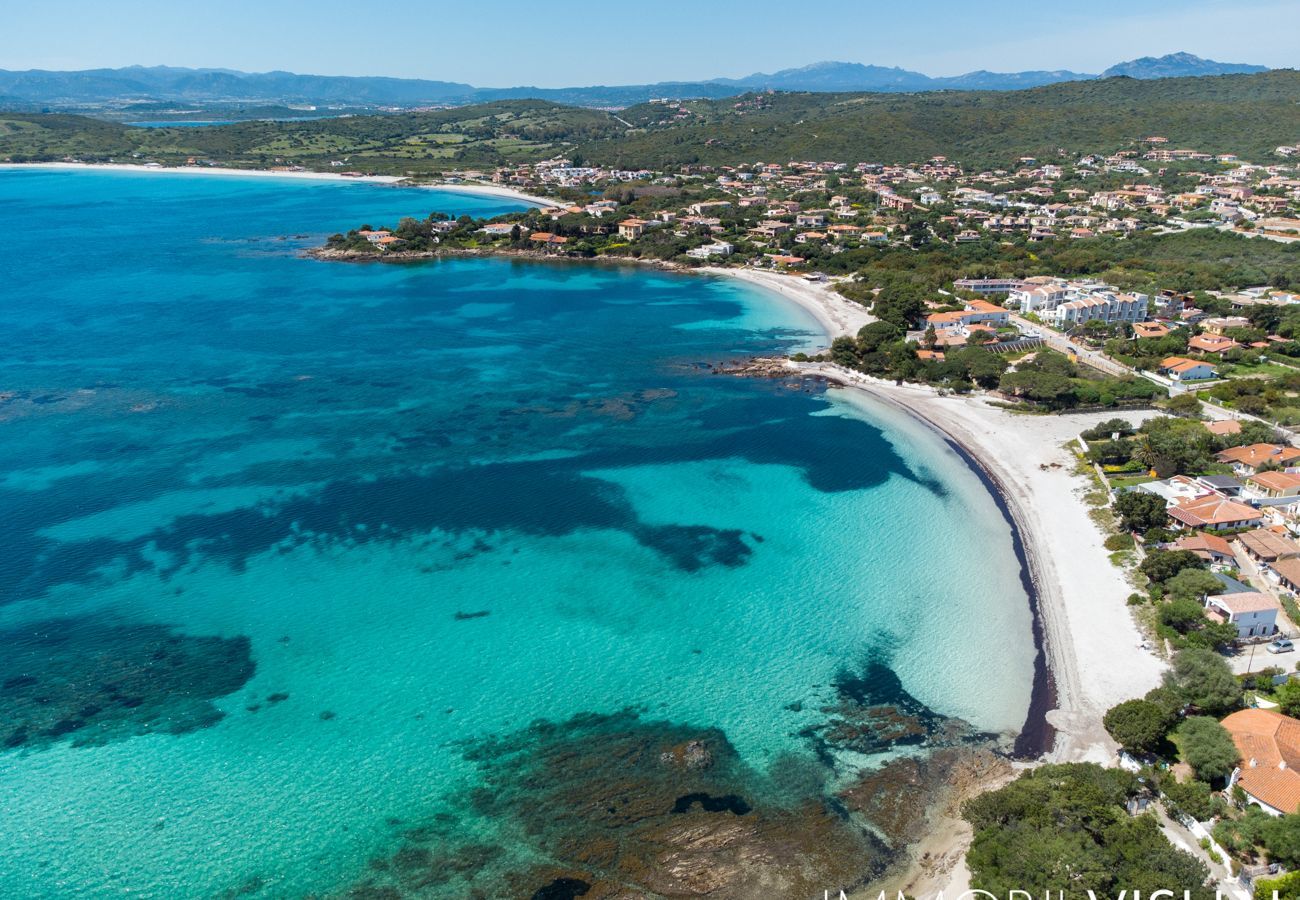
(307, 568)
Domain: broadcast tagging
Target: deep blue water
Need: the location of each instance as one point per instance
(283, 542)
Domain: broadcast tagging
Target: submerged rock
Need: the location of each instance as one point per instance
(627, 808)
(93, 679)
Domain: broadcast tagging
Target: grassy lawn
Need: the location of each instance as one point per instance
(1127, 481)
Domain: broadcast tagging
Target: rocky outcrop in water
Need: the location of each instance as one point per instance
(624, 807)
(91, 680)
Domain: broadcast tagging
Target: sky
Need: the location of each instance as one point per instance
(502, 43)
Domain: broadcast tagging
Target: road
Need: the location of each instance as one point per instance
(1061, 343)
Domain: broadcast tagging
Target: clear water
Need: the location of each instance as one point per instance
(204, 430)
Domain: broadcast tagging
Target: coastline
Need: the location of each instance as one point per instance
(484, 190)
(837, 314)
(1088, 653)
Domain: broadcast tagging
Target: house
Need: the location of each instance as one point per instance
(1217, 513)
(1215, 344)
(1254, 614)
(717, 248)
(1269, 744)
(1267, 547)
(987, 286)
(1221, 484)
(1209, 547)
(1180, 369)
(631, 229)
(1274, 484)
(1218, 325)
(1150, 329)
(552, 243)
(1287, 573)
(1250, 459)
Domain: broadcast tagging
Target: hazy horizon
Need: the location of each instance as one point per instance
(524, 45)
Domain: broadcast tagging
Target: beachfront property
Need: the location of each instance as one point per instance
(1063, 304)
(1208, 547)
(1216, 513)
(988, 286)
(1254, 614)
(1251, 458)
(718, 249)
(1269, 744)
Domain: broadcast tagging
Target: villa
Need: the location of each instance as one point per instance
(1250, 459)
(1178, 368)
(1216, 513)
(1269, 744)
(1254, 614)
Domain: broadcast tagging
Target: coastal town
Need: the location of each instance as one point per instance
(1189, 391)
(452, 461)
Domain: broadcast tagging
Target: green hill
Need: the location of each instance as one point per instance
(1245, 114)
(485, 135)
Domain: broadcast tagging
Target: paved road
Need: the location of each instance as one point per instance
(1061, 343)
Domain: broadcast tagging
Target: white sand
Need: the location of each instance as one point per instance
(837, 314)
(496, 190)
(485, 190)
(1092, 641)
(206, 170)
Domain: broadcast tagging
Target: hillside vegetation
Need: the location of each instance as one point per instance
(485, 135)
(1244, 114)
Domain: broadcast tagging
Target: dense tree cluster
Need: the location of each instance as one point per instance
(1067, 824)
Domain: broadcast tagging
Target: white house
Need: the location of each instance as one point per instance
(717, 248)
(1254, 614)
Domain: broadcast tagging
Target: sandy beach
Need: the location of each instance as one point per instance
(483, 190)
(1091, 640)
(494, 190)
(837, 314)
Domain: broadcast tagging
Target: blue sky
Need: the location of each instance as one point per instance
(496, 43)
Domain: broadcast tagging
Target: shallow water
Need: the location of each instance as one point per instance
(373, 516)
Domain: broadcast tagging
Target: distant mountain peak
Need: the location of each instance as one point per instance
(1178, 65)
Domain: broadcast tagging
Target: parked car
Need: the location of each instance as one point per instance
(1280, 645)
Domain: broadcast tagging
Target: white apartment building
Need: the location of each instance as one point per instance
(1064, 304)
(1107, 306)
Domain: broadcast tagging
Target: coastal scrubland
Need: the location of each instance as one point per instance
(1247, 114)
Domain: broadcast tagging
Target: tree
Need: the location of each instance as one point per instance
(1184, 405)
(1173, 446)
(1285, 888)
(1203, 679)
(1288, 698)
(1193, 584)
(1182, 615)
(871, 337)
(1282, 840)
(1162, 565)
(1138, 726)
(1141, 510)
(1208, 748)
(1192, 798)
(1066, 824)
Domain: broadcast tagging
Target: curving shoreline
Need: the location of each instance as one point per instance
(484, 190)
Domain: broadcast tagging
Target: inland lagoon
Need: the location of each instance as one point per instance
(460, 578)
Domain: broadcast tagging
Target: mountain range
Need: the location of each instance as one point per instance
(136, 85)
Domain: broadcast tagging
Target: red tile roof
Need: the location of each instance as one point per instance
(1269, 744)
